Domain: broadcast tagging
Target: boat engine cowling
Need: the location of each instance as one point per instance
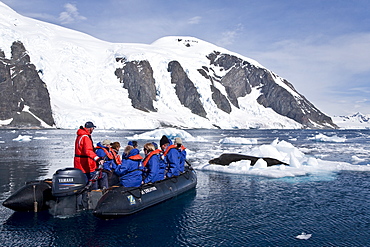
(68, 181)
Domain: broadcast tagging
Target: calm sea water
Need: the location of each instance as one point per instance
(223, 210)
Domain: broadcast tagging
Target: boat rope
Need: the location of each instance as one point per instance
(132, 193)
(186, 175)
(190, 167)
(34, 198)
(94, 179)
(173, 179)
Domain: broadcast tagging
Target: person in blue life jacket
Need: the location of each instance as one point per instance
(155, 145)
(104, 151)
(153, 165)
(181, 149)
(130, 143)
(171, 157)
(130, 171)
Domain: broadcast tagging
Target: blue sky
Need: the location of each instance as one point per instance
(321, 47)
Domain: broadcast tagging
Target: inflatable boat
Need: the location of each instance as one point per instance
(66, 194)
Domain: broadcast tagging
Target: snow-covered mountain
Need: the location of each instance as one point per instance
(63, 78)
(355, 121)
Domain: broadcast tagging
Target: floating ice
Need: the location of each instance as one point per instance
(238, 140)
(323, 138)
(299, 163)
(304, 236)
(24, 138)
(356, 159)
(40, 138)
(171, 133)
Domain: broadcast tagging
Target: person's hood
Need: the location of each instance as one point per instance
(83, 131)
(101, 145)
(134, 154)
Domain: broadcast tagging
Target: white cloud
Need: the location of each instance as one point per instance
(194, 20)
(228, 37)
(70, 14)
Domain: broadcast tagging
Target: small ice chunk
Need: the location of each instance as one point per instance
(261, 163)
(294, 162)
(304, 236)
(24, 138)
(312, 161)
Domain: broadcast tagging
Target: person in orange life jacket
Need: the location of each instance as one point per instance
(85, 157)
(171, 157)
(104, 151)
(115, 148)
(153, 165)
(181, 148)
(113, 178)
(130, 171)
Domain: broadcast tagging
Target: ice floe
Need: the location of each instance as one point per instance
(323, 138)
(299, 163)
(23, 138)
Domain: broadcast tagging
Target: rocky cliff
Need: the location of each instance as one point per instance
(20, 86)
(239, 80)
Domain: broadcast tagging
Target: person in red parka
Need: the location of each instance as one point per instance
(85, 157)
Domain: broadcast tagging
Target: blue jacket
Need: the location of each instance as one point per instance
(154, 169)
(182, 159)
(109, 163)
(130, 171)
(172, 159)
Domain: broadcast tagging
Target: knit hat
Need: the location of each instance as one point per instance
(132, 143)
(155, 145)
(178, 140)
(106, 142)
(164, 140)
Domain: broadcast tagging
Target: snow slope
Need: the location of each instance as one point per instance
(78, 70)
(355, 121)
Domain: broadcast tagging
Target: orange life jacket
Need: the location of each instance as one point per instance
(136, 157)
(117, 158)
(168, 149)
(147, 158)
(108, 152)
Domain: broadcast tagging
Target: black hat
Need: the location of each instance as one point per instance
(89, 125)
(164, 140)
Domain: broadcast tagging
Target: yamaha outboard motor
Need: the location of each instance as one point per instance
(68, 183)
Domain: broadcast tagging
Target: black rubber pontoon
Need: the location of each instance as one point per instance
(120, 201)
(66, 194)
(32, 197)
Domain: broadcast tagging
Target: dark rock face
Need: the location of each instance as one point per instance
(243, 76)
(21, 85)
(300, 110)
(185, 89)
(220, 100)
(137, 78)
(24, 119)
